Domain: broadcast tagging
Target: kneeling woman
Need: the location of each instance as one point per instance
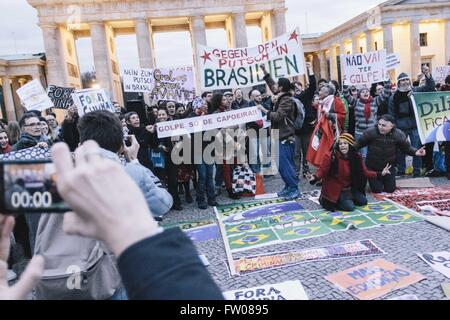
(344, 176)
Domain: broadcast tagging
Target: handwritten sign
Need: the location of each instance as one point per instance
(209, 122)
(289, 290)
(33, 96)
(439, 261)
(363, 69)
(440, 73)
(392, 61)
(60, 96)
(224, 68)
(175, 84)
(92, 100)
(374, 279)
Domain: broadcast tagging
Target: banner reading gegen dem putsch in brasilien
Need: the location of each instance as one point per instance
(225, 68)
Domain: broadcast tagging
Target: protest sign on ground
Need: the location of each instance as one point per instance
(363, 69)
(60, 96)
(175, 84)
(33, 96)
(440, 73)
(224, 68)
(288, 290)
(432, 110)
(208, 122)
(439, 261)
(374, 279)
(92, 100)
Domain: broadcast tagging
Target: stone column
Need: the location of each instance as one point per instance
(198, 37)
(416, 60)
(323, 65)
(239, 29)
(102, 58)
(267, 27)
(355, 44)
(333, 64)
(9, 100)
(342, 47)
(279, 20)
(145, 44)
(388, 38)
(447, 41)
(52, 45)
(370, 46)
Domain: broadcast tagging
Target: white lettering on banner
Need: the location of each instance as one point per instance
(288, 290)
(208, 122)
(440, 73)
(240, 67)
(92, 100)
(33, 96)
(364, 68)
(175, 83)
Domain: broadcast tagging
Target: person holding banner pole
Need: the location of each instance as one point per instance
(401, 108)
(282, 118)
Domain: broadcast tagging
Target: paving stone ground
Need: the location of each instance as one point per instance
(400, 242)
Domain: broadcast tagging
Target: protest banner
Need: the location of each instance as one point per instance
(224, 68)
(432, 111)
(288, 290)
(33, 96)
(439, 261)
(440, 73)
(392, 61)
(363, 69)
(175, 84)
(60, 96)
(374, 279)
(208, 122)
(92, 100)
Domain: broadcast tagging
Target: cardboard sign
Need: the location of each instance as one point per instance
(374, 279)
(439, 261)
(92, 100)
(432, 114)
(225, 68)
(33, 96)
(440, 73)
(363, 69)
(60, 96)
(208, 122)
(289, 290)
(177, 84)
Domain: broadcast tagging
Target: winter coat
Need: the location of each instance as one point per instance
(306, 98)
(26, 141)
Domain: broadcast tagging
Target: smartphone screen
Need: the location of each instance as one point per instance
(30, 187)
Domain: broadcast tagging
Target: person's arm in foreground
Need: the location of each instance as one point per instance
(108, 206)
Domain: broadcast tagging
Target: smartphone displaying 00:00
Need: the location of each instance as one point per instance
(29, 187)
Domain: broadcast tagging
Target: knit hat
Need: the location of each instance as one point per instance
(348, 138)
(402, 76)
(197, 103)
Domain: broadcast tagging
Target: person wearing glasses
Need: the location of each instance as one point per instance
(31, 136)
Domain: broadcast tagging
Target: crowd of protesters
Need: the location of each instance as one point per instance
(348, 136)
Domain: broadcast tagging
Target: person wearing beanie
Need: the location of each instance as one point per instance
(282, 118)
(344, 174)
(400, 106)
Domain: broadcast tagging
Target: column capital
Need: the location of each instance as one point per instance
(142, 20)
(46, 25)
(97, 23)
(280, 10)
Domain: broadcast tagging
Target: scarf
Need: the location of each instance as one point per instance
(327, 103)
(367, 108)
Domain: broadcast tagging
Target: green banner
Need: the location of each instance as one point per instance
(432, 109)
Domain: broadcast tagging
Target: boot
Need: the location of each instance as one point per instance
(232, 195)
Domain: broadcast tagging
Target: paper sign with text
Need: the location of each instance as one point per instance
(60, 96)
(439, 261)
(440, 73)
(363, 69)
(92, 100)
(289, 290)
(33, 96)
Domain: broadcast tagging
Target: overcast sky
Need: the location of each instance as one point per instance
(19, 32)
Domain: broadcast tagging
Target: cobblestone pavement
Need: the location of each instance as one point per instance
(400, 242)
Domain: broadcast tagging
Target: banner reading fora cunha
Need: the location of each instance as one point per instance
(240, 67)
(432, 110)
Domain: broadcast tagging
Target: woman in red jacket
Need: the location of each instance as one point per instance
(5, 147)
(344, 176)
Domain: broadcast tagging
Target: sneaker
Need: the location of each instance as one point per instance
(213, 203)
(202, 206)
(283, 192)
(293, 195)
(189, 198)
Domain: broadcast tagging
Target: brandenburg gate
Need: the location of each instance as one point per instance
(64, 21)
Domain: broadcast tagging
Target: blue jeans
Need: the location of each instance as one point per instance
(265, 146)
(413, 135)
(120, 294)
(287, 164)
(219, 175)
(363, 151)
(253, 154)
(348, 200)
(383, 184)
(205, 181)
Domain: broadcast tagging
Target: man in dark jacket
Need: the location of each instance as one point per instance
(282, 118)
(401, 108)
(239, 101)
(303, 136)
(31, 133)
(382, 141)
